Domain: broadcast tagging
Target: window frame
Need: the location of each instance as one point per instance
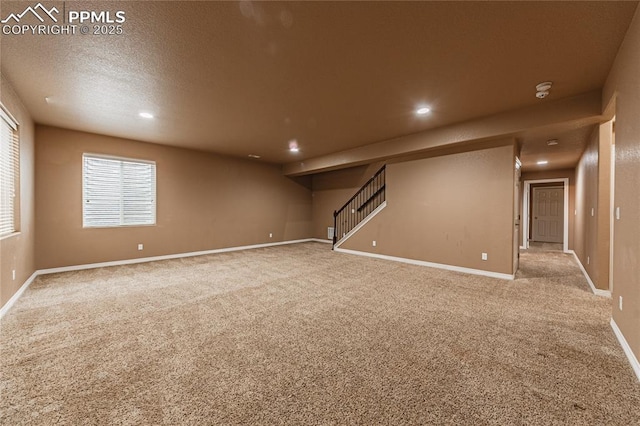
(121, 159)
(14, 125)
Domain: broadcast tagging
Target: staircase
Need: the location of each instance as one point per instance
(369, 198)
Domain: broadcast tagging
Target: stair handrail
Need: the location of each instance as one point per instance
(336, 212)
(372, 197)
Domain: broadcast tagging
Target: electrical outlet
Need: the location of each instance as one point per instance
(374, 243)
(617, 213)
(593, 212)
(620, 302)
(485, 256)
(13, 274)
(140, 246)
(588, 260)
(353, 210)
(270, 235)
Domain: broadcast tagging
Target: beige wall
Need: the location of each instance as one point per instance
(204, 201)
(622, 85)
(447, 210)
(603, 209)
(17, 251)
(554, 174)
(592, 206)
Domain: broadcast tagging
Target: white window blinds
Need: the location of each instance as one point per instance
(9, 169)
(118, 192)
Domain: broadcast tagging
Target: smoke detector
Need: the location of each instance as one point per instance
(542, 89)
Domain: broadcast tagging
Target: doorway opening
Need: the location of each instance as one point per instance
(546, 217)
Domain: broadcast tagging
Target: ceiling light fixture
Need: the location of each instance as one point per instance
(254, 156)
(145, 115)
(542, 89)
(552, 142)
(423, 110)
(542, 162)
(293, 146)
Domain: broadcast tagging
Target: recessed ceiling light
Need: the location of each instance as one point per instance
(145, 115)
(542, 162)
(293, 146)
(423, 110)
(551, 142)
(294, 149)
(254, 156)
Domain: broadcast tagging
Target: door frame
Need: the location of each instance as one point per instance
(526, 193)
(612, 207)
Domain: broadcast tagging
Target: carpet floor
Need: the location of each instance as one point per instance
(299, 334)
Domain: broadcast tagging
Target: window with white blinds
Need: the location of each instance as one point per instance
(118, 192)
(9, 169)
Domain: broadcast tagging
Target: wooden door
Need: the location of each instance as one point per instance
(548, 214)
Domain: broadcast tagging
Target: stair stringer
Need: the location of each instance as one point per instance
(361, 224)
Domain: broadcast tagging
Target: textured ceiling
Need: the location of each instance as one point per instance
(246, 78)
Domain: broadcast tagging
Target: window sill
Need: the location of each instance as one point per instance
(119, 226)
(13, 234)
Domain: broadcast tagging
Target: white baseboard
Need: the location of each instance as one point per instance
(17, 295)
(165, 257)
(430, 264)
(24, 287)
(626, 348)
(320, 240)
(596, 291)
(361, 224)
